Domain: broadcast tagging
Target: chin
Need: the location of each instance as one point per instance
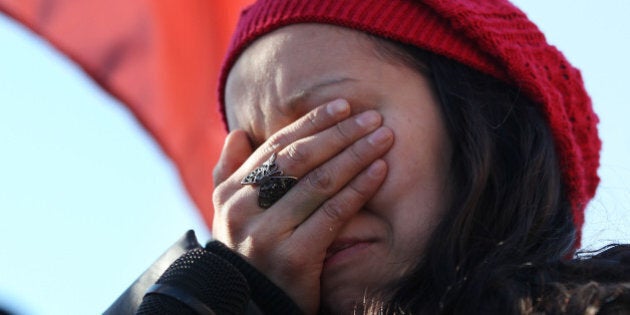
(362, 306)
(342, 308)
(345, 301)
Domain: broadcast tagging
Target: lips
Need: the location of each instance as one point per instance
(338, 246)
(343, 248)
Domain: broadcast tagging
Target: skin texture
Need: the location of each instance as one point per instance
(366, 138)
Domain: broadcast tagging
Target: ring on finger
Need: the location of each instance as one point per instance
(271, 181)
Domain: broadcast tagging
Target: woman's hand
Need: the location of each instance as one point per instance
(337, 161)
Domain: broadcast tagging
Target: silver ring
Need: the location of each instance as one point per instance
(271, 181)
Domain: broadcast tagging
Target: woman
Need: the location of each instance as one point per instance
(394, 156)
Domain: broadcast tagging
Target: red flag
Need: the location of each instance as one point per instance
(160, 58)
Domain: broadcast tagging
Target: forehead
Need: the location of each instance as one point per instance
(290, 60)
(304, 44)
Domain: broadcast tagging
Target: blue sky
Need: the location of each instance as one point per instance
(88, 200)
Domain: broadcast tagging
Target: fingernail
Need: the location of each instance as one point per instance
(380, 136)
(337, 106)
(368, 119)
(377, 168)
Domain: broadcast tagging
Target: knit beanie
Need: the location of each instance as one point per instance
(491, 36)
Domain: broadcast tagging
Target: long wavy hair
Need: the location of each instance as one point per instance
(504, 243)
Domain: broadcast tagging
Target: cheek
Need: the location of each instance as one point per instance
(419, 163)
(417, 183)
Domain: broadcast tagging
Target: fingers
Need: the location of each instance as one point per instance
(338, 161)
(325, 149)
(236, 150)
(323, 182)
(325, 223)
(302, 156)
(315, 121)
(235, 204)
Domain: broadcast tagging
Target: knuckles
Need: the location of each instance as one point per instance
(342, 134)
(320, 181)
(361, 192)
(230, 209)
(293, 261)
(219, 196)
(333, 210)
(313, 118)
(278, 140)
(296, 154)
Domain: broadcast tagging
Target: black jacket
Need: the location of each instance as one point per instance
(264, 297)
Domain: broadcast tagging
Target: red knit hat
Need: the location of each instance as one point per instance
(492, 36)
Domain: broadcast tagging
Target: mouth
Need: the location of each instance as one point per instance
(344, 249)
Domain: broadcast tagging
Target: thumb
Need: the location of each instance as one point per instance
(236, 150)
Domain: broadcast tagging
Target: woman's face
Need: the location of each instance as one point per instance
(292, 70)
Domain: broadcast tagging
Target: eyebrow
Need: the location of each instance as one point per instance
(303, 94)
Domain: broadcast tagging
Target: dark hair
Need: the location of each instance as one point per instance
(504, 244)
